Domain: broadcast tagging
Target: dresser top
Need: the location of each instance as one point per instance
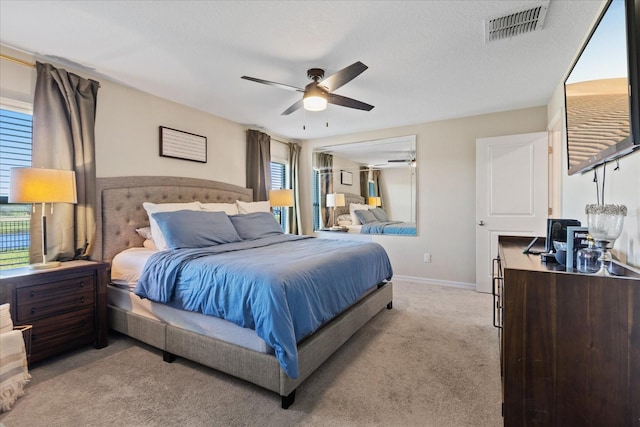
(512, 256)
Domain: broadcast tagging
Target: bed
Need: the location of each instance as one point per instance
(361, 218)
(189, 334)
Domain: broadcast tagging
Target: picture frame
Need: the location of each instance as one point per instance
(576, 240)
(346, 178)
(182, 145)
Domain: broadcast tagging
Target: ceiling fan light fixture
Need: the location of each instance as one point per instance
(315, 102)
(314, 99)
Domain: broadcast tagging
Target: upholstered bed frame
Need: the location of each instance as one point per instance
(120, 212)
(348, 199)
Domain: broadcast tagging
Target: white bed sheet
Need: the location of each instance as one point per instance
(128, 265)
(354, 228)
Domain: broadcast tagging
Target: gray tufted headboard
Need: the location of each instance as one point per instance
(348, 199)
(119, 208)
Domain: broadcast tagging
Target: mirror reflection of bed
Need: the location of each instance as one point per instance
(376, 180)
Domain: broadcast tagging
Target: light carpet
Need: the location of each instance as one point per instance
(430, 361)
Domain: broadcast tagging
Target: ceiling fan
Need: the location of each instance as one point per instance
(319, 92)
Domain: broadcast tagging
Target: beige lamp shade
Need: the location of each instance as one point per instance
(283, 197)
(37, 185)
(375, 201)
(335, 199)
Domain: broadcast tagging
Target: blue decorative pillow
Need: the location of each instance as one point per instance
(365, 216)
(256, 225)
(380, 214)
(195, 229)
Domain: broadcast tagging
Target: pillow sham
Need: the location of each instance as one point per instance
(195, 229)
(380, 214)
(145, 233)
(228, 208)
(152, 208)
(256, 225)
(251, 207)
(365, 216)
(354, 207)
(344, 217)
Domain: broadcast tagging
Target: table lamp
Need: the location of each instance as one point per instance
(282, 198)
(375, 201)
(335, 200)
(37, 185)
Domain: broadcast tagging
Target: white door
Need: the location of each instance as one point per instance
(511, 194)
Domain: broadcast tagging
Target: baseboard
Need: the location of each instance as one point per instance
(447, 283)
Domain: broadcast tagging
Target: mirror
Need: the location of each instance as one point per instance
(379, 173)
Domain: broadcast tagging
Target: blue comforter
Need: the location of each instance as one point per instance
(389, 227)
(284, 287)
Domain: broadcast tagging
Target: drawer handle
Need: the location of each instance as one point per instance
(33, 310)
(82, 300)
(33, 337)
(82, 284)
(32, 294)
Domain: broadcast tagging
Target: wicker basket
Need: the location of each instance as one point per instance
(26, 335)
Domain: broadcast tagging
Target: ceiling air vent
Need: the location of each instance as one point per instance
(515, 23)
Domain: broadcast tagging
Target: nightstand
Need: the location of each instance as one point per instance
(67, 305)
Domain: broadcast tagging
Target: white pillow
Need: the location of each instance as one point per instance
(251, 207)
(354, 207)
(149, 244)
(228, 208)
(152, 208)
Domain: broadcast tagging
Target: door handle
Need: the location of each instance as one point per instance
(481, 223)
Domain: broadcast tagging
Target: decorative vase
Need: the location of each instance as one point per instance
(605, 226)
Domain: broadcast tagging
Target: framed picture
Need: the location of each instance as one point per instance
(182, 145)
(576, 240)
(346, 178)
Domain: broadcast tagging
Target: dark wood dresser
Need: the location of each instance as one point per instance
(570, 342)
(67, 305)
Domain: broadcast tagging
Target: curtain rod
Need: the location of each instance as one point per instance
(17, 61)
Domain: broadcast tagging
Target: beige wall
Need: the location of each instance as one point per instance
(127, 135)
(621, 187)
(446, 191)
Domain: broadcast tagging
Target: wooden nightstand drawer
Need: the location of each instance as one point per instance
(54, 332)
(67, 305)
(39, 301)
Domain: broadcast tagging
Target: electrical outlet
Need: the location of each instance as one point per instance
(427, 257)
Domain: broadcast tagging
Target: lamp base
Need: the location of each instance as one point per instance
(44, 265)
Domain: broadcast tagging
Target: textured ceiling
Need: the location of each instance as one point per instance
(427, 59)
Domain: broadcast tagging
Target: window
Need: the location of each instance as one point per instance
(279, 180)
(15, 151)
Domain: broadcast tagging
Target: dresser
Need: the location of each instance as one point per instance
(67, 305)
(570, 342)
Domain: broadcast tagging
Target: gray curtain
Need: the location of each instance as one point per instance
(324, 163)
(364, 183)
(64, 114)
(377, 178)
(259, 164)
(295, 224)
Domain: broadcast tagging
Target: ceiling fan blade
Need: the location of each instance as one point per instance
(280, 85)
(293, 108)
(344, 76)
(343, 101)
